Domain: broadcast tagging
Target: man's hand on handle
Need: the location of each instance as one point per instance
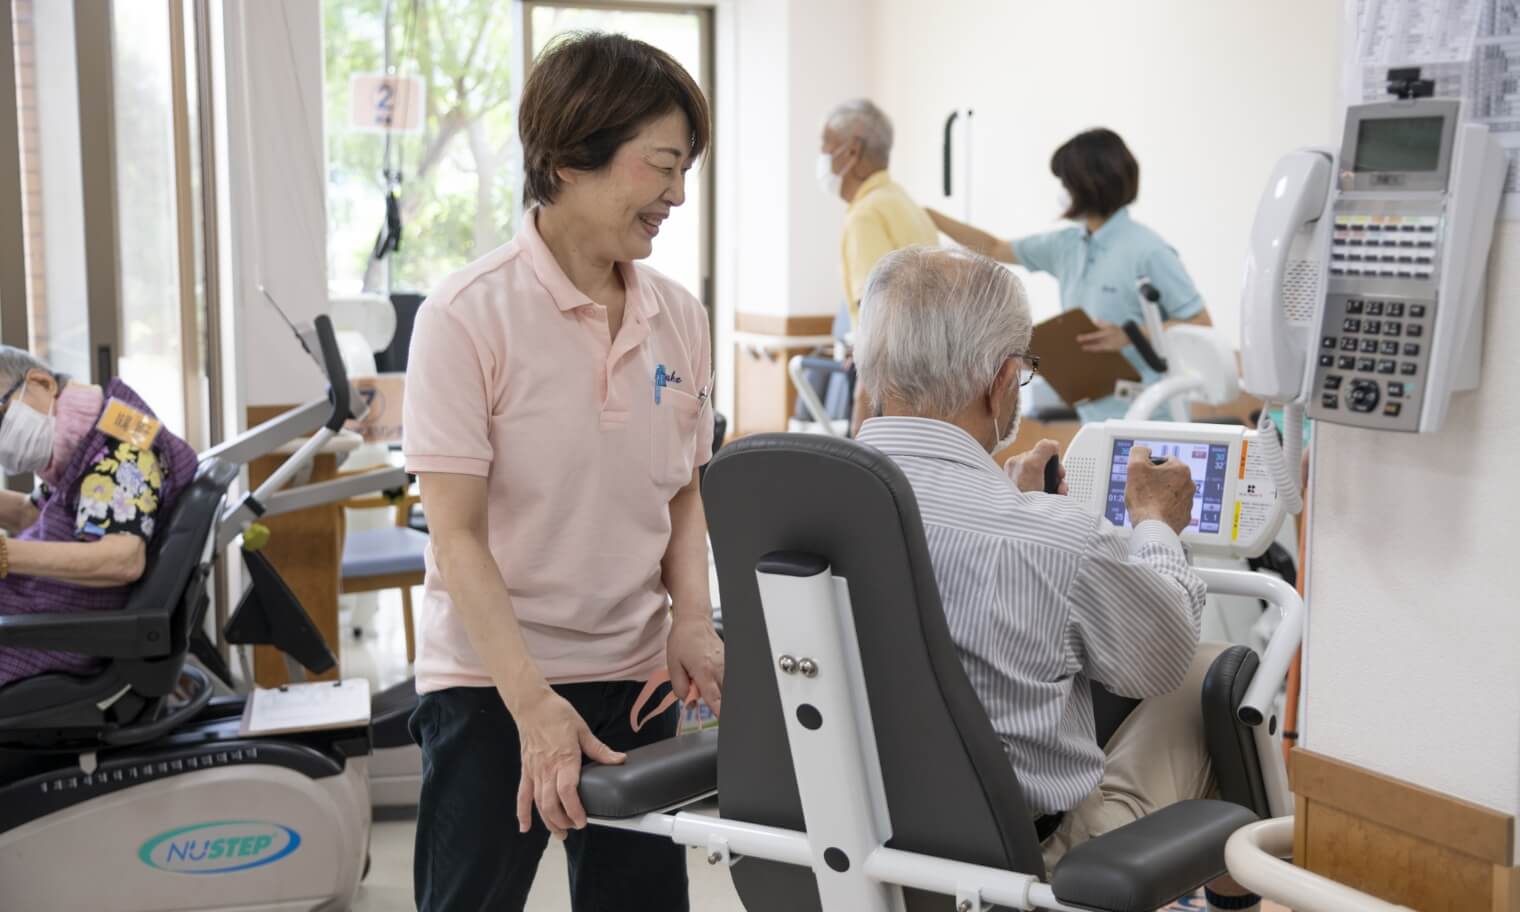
(1163, 492)
(1027, 470)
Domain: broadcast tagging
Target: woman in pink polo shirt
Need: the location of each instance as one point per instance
(557, 411)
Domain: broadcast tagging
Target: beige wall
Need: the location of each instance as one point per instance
(1207, 94)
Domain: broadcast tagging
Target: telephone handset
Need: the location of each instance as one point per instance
(1363, 289)
(1285, 273)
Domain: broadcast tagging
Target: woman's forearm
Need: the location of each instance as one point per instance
(684, 566)
(973, 239)
(115, 560)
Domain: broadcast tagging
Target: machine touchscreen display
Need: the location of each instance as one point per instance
(1208, 463)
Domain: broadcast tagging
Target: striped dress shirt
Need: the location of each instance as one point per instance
(1043, 597)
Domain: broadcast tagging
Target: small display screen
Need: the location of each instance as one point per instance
(1209, 463)
(1398, 144)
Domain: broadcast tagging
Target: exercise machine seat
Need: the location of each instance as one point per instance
(389, 715)
(949, 788)
(144, 642)
(384, 552)
(852, 507)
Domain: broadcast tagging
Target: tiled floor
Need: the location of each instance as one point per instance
(380, 656)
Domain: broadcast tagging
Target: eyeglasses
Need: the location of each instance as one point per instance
(1030, 367)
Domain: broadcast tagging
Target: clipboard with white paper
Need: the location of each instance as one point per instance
(313, 706)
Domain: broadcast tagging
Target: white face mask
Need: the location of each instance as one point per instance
(823, 171)
(26, 438)
(1063, 201)
(1005, 440)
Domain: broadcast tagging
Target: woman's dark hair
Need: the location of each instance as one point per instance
(1098, 171)
(590, 92)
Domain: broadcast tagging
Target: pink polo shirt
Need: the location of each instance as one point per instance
(512, 377)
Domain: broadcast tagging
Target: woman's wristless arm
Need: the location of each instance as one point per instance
(973, 239)
(115, 560)
(456, 511)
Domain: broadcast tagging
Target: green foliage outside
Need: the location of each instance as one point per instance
(458, 174)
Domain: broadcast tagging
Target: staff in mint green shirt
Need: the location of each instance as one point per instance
(1099, 260)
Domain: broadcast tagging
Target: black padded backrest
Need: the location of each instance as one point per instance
(173, 579)
(1231, 743)
(393, 358)
(950, 789)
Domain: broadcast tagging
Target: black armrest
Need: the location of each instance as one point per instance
(102, 634)
(1146, 864)
(653, 778)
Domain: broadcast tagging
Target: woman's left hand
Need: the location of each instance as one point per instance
(1109, 337)
(695, 656)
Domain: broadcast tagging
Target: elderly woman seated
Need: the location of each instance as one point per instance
(108, 471)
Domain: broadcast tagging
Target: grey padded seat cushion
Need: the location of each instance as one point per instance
(383, 552)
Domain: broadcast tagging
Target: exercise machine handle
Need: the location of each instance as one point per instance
(947, 149)
(1143, 346)
(338, 391)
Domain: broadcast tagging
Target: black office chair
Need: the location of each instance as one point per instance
(800, 505)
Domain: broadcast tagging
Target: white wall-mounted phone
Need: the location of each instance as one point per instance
(1363, 297)
(1236, 471)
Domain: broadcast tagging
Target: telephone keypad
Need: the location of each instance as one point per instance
(1377, 339)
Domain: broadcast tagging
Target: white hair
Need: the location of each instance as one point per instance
(936, 326)
(860, 119)
(16, 363)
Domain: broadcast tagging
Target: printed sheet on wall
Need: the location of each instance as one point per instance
(1470, 48)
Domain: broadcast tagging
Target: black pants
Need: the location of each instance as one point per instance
(470, 856)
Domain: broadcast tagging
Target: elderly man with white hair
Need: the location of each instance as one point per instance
(1041, 596)
(854, 151)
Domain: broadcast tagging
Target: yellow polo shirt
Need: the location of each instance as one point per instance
(882, 218)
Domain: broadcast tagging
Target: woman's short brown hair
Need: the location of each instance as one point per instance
(590, 92)
(1098, 171)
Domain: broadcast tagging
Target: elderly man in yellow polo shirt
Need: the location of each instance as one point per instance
(852, 164)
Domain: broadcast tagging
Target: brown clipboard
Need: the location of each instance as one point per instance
(1077, 375)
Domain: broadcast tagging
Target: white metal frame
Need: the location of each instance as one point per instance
(1183, 382)
(810, 401)
(817, 663)
(1254, 857)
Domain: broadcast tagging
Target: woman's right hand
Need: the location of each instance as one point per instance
(553, 737)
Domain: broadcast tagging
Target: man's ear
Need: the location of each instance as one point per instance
(1007, 375)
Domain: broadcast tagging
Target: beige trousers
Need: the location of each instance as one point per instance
(1156, 758)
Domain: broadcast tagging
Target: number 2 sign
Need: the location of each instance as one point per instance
(386, 104)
